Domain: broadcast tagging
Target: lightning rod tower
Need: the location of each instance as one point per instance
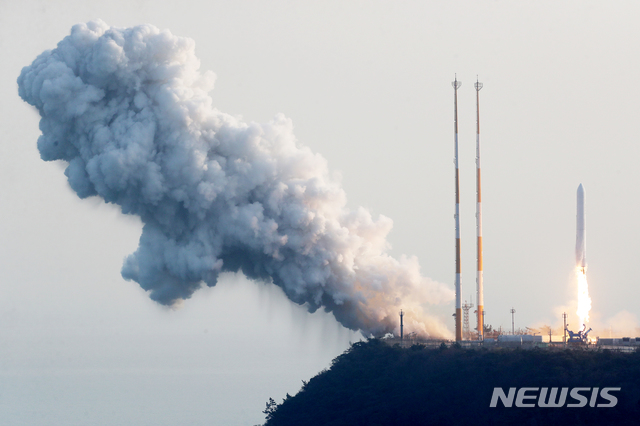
(456, 85)
(479, 282)
(513, 326)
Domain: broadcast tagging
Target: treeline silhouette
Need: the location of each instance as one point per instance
(375, 384)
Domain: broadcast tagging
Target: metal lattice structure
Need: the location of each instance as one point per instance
(465, 323)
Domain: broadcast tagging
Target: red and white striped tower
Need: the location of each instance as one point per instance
(456, 84)
(480, 290)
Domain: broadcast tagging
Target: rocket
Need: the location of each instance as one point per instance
(581, 232)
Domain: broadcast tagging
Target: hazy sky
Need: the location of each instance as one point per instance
(367, 85)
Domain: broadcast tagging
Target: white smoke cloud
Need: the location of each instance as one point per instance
(130, 112)
(621, 324)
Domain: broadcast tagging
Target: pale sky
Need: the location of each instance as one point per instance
(367, 85)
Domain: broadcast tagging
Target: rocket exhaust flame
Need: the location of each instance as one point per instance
(584, 301)
(130, 112)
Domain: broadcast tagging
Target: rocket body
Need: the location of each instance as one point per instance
(581, 232)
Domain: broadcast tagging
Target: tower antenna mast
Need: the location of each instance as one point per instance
(456, 84)
(479, 282)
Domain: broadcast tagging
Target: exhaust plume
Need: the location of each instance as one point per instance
(584, 301)
(129, 111)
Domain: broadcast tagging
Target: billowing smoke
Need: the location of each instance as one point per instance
(129, 111)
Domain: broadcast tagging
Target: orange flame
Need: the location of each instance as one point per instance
(584, 301)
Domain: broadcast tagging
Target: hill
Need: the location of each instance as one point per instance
(375, 384)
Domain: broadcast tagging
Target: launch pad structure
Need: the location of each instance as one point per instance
(484, 336)
(516, 338)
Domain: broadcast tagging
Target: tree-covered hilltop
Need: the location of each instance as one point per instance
(374, 384)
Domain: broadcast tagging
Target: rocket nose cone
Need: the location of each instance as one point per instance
(580, 189)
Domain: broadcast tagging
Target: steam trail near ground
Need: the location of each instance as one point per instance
(130, 112)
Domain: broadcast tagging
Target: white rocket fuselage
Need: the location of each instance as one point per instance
(581, 232)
